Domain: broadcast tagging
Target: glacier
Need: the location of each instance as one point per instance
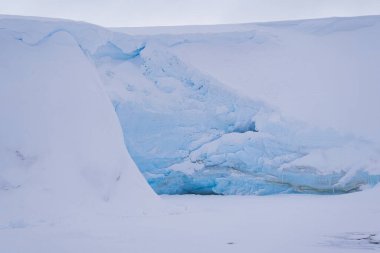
(194, 134)
(189, 132)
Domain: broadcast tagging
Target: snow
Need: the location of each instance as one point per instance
(218, 112)
(322, 72)
(61, 148)
(200, 114)
(277, 223)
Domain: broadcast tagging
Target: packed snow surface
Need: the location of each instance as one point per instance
(245, 109)
(236, 224)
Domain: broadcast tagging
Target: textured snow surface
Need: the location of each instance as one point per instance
(210, 113)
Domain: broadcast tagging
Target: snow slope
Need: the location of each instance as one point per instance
(323, 72)
(61, 145)
(271, 224)
(189, 129)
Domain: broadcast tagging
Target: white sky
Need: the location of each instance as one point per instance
(118, 13)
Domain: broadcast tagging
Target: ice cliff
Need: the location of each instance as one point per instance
(187, 131)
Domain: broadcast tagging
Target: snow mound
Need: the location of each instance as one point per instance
(61, 148)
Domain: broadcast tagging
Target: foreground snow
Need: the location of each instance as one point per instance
(282, 223)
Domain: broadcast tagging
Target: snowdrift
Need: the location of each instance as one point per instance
(61, 145)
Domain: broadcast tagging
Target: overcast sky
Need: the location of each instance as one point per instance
(117, 13)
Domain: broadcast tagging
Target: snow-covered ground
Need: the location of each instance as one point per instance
(278, 223)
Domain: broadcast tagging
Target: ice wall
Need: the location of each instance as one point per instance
(192, 134)
(186, 131)
(189, 133)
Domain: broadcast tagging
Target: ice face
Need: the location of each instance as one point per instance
(189, 133)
